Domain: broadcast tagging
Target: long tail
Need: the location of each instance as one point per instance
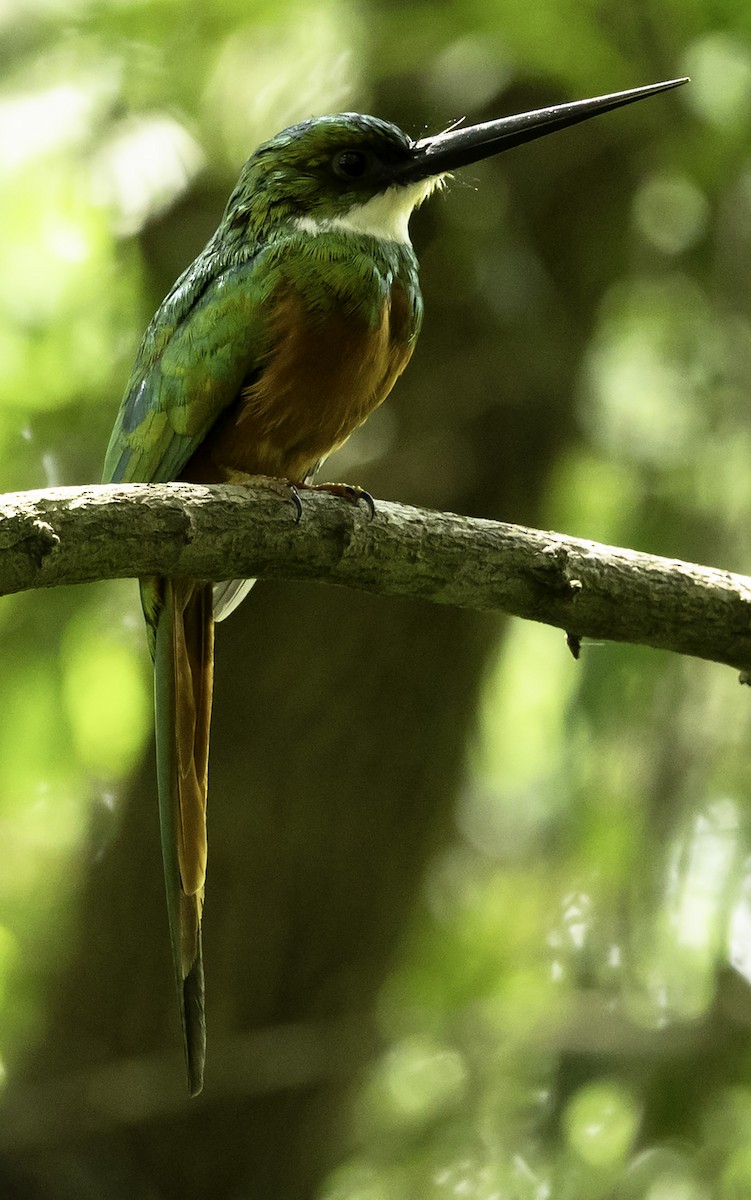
(180, 616)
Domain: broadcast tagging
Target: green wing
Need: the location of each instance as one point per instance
(207, 340)
(204, 343)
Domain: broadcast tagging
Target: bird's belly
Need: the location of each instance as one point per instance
(324, 374)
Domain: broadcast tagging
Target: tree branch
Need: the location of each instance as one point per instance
(77, 535)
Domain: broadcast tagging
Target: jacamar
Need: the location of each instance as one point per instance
(290, 327)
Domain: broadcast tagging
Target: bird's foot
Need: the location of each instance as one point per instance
(284, 488)
(348, 491)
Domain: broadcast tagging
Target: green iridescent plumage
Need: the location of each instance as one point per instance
(211, 338)
(289, 328)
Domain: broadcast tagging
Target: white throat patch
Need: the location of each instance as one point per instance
(385, 216)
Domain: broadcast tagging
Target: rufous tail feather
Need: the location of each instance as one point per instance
(183, 679)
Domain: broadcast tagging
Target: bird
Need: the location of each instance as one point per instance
(290, 327)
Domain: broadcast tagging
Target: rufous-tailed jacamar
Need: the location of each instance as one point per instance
(289, 328)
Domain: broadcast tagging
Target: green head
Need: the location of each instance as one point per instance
(363, 174)
(327, 170)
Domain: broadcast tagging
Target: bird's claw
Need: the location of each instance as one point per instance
(294, 498)
(286, 490)
(350, 492)
(290, 491)
(283, 488)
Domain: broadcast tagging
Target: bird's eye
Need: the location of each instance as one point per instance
(350, 164)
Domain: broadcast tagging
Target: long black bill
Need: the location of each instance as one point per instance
(459, 147)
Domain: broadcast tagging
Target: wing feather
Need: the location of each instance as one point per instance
(203, 344)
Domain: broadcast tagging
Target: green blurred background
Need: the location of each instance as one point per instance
(479, 917)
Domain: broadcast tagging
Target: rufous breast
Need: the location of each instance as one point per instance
(325, 373)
